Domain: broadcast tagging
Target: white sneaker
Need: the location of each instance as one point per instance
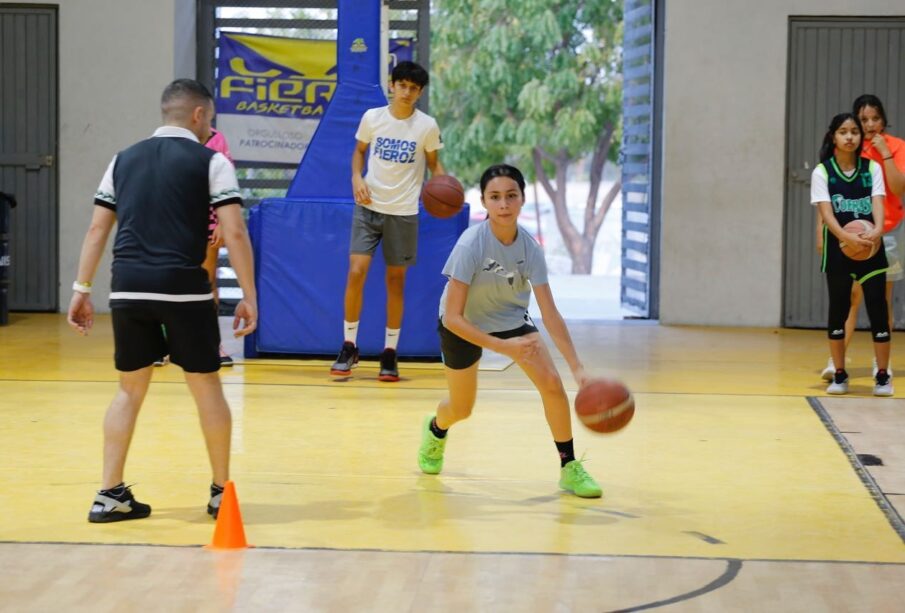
(837, 387)
(885, 389)
(830, 370)
(888, 369)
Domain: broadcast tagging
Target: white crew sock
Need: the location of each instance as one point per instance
(350, 330)
(391, 339)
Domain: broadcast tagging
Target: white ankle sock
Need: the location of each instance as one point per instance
(350, 330)
(391, 338)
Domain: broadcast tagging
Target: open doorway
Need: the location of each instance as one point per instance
(594, 296)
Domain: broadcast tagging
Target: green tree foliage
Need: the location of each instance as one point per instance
(536, 83)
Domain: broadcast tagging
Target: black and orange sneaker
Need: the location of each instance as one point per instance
(345, 361)
(389, 369)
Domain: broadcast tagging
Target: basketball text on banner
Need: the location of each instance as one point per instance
(273, 91)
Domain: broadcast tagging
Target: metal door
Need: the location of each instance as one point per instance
(28, 144)
(831, 62)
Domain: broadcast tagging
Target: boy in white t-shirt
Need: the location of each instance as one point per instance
(402, 141)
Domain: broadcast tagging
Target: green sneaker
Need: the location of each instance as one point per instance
(430, 455)
(574, 478)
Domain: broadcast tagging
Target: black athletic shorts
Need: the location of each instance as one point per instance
(458, 354)
(186, 331)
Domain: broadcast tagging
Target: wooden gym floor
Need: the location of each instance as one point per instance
(739, 486)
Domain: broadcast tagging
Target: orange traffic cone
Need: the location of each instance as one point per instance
(229, 532)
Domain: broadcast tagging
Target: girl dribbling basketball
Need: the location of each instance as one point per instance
(492, 271)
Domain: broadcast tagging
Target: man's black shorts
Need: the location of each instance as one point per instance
(186, 331)
(458, 354)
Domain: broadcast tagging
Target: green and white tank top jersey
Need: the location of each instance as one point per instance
(499, 277)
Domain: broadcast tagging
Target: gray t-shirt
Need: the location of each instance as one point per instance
(498, 277)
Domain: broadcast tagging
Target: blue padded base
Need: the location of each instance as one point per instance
(301, 262)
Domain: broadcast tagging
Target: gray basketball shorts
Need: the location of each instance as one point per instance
(894, 244)
(398, 233)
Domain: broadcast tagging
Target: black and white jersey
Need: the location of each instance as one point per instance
(161, 190)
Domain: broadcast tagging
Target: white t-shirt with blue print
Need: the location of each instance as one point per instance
(396, 162)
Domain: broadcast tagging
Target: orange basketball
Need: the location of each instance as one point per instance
(604, 405)
(857, 252)
(443, 196)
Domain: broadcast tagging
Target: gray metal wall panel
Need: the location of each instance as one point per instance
(28, 97)
(831, 62)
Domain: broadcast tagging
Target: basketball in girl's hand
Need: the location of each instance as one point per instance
(604, 405)
(857, 252)
(443, 196)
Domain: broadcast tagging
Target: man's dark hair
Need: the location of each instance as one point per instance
(410, 71)
(183, 89)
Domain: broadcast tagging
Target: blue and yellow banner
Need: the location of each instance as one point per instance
(272, 91)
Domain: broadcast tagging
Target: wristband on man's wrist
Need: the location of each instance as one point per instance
(84, 288)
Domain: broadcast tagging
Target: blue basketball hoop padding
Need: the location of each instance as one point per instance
(301, 242)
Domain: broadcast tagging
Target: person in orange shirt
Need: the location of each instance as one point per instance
(889, 152)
